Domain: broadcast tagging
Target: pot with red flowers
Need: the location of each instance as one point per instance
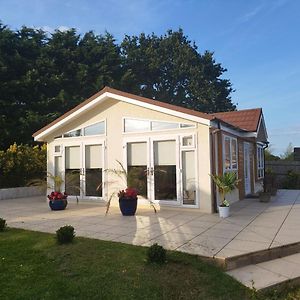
(128, 201)
(58, 200)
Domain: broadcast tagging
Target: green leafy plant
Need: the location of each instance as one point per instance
(225, 183)
(65, 234)
(2, 224)
(156, 254)
(292, 180)
(128, 179)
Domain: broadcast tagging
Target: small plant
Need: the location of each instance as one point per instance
(156, 254)
(2, 224)
(65, 234)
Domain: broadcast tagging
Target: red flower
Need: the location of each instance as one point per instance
(57, 196)
(128, 193)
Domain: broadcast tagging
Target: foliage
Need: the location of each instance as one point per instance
(292, 180)
(95, 269)
(2, 224)
(44, 75)
(65, 234)
(57, 196)
(21, 163)
(269, 156)
(226, 183)
(288, 154)
(127, 179)
(156, 254)
(128, 193)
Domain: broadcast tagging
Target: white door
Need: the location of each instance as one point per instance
(83, 169)
(247, 174)
(153, 165)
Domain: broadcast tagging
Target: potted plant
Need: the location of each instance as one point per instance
(128, 201)
(127, 197)
(225, 183)
(57, 199)
(265, 195)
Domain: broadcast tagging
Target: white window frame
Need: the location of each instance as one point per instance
(230, 169)
(193, 126)
(260, 161)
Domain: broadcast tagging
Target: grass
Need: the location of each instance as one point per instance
(33, 266)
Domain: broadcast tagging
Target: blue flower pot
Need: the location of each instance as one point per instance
(128, 206)
(58, 204)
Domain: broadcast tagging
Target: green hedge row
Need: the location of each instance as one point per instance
(21, 163)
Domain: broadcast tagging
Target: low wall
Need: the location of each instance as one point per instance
(20, 192)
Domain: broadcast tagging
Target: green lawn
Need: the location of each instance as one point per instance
(33, 266)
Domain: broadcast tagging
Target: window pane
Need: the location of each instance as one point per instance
(163, 125)
(57, 149)
(186, 125)
(136, 125)
(164, 153)
(73, 157)
(73, 133)
(98, 128)
(188, 177)
(187, 141)
(137, 154)
(233, 154)
(93, 156)
(227, 153)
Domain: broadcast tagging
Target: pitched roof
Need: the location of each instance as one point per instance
(247, 119)
(131, 96)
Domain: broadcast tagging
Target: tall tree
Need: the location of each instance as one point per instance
(44, 75)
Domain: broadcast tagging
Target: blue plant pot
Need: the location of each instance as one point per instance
(58, 204)
(128, 206)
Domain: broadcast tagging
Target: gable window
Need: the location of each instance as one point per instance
(137, 125)
(260, 161)
(230, 156)
(95, 129)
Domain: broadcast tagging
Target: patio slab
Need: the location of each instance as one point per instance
(252, 225)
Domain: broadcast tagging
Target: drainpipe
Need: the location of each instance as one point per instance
(265, 147)
(213, 145)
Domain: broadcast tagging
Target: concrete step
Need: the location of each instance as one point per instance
(269, 274)
(234, 262)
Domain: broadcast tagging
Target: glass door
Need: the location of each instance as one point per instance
(73, 170)
(93, 170)
(164, 169)
(83, 166)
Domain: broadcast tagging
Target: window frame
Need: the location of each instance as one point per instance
(230, 169)
(260, 161)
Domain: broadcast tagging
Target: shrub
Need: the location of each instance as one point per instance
(65, 234)
(292, 180)
(22, 163)
(2, 224)
(156, 254)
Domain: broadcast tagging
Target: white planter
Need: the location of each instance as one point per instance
(224, 211)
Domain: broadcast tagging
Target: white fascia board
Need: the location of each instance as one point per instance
(107, 95)
(65, 120)
(160, 109)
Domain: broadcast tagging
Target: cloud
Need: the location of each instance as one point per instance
(251, 14)
(50, 29)
(284, 131)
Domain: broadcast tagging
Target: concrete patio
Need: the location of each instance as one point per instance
(253, 227)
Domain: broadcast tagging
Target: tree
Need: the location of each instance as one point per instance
(42, 76)
(288, 154)
(269, 155)
(170, 68)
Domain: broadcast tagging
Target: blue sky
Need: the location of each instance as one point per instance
(258, 41)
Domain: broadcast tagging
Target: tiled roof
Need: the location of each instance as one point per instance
(247, 119)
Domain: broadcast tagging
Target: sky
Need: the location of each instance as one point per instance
(257, 41)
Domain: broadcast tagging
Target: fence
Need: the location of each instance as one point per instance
(281, 169)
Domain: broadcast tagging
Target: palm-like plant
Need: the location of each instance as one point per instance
(226, 183)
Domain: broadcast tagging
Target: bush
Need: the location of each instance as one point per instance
(21, 163)
(2, 224)
(156, 254)
(292, 180)
(65, 234)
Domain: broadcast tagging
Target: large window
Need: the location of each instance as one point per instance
(230, 157)
(260, 161)
(137, 125)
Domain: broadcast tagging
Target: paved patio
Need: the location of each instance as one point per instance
(252, 226)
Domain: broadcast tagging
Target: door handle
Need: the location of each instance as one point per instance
(151, 171)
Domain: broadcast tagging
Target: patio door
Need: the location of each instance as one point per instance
(153, 166)
(83, 169)
(247, 170)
